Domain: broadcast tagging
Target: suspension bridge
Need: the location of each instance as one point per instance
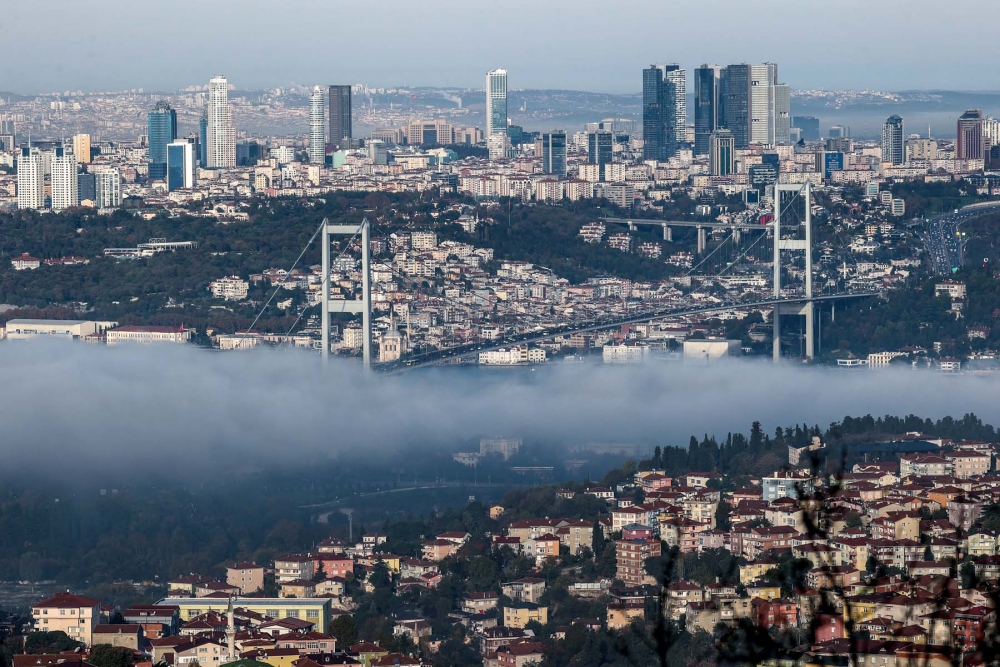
(747, 252)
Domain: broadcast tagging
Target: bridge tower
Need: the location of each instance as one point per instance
(806, 308)
(362, 305)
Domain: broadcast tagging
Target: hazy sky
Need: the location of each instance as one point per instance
(574, 44)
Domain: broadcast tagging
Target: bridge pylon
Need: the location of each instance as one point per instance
(807, 307)
(362, 305)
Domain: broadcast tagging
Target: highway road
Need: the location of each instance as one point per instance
(473, 349)
(942, 237)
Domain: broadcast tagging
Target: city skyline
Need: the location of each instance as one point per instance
(907, 65)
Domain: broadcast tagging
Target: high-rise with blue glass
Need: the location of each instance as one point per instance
(706, 106)
(659, 113)
(180, 165)
(203, 139)
(554, 153)
(162, 131)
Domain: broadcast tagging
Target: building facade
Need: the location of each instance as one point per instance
(180, 165)
(554, 153)
(341, 128)
(30, 180)
(969, 145)
(722, 153)
(220, 133)
(893, 151)
(161, 132)
(496, 102)
(706, 105)
(65, 187)
(75, 615)
(659, 114)
(317, 127)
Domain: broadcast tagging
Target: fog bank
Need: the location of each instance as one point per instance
(73, 407)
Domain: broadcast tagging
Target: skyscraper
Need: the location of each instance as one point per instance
(554, 153)
(762, 109)
(7, 136)
(782, 114)
(203, 139)
(678, 77)
(734, 103)
(317, 127)
(221, 135)
(496, 102)
(893, 151)
(659, 114)
(81, 148)
(180, 165)
(600, 147)
(30, 179)
(340, 116)
(162, 130)
(108, 181)
(970, 136)
(722, 153)
(706, 105)
(65, 187)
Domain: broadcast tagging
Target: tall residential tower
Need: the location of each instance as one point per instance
(317, 127)
(221, 134)
(65, 192)
(30, 179)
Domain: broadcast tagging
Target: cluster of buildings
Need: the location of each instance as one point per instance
(740, 138)
(877, 550)
(738, 141)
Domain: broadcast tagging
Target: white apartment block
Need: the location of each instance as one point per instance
(108, 186)
(230, 288)
(137, 334)
(625, 354)
(30, 182)
(423, 240)
(64, 184)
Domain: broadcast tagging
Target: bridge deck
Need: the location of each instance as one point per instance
(465, 351)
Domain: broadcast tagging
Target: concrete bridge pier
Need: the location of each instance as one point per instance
(668, 234)
(702, 239)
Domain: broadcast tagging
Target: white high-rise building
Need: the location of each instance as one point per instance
(108, 186)
(762, 111)
(496, 102)
(317, 127)
(64, 183)
(221, 135)
(31, 181)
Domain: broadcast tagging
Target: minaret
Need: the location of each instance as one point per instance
(231, 630)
